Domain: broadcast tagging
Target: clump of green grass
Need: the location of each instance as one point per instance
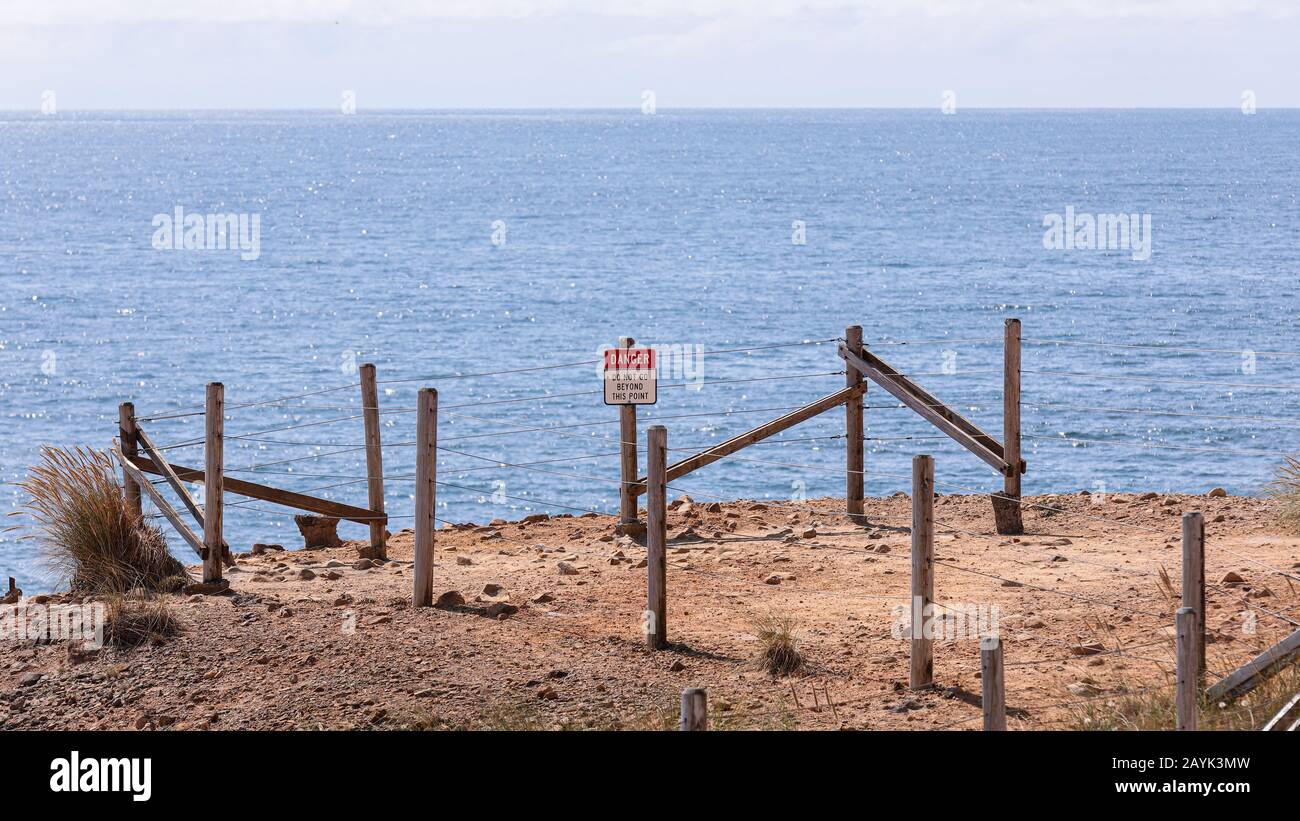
(90, 536)
(779, 646)
(1286, 488)
(131, 621)
(1155, 709)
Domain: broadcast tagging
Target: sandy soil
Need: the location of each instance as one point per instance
(343, 648)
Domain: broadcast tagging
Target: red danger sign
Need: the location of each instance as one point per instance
(630, 376)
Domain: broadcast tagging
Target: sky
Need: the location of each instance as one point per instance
(303, 54)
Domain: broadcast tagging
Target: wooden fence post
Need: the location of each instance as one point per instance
(213, 480)
(126, 434)
(426, 493)
(656, 616)
(374, 464)
(1006, 510)
(1194, 582)
(695, 709)
(922, 671)
(854, 461)
(1187, 677)
(993, 683)
(627, 455)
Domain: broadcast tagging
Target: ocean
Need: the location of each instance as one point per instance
(1161, 349)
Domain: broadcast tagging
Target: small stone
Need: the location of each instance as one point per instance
(377, 620)
(1082, 688)
(207, 588)
(450, 599)
(342, 599)
(464, 561)
(1231, 578)
(1217, 493)
(566, 569)
(306, 574)
(28, 679)
(1087, 649)
(1035, 622)
(810, 533)
(492, 593)
(502, 610)
(362, 564)
(676, 666)
(542, 598)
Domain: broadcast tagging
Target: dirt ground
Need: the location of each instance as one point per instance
(307, 640)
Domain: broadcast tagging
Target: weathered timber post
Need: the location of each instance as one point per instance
(695, 709)
(129, 446)
(426, 489)
(922, 654)
(627, 455)
(213, 480)
(656, 616)
(1187, 676)
(374, 464)
(1194, 582)
(993, 683)
(854, 456)
(1006, 508)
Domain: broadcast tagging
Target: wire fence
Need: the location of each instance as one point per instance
(502, 472)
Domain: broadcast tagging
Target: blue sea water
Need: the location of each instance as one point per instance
(377, 245)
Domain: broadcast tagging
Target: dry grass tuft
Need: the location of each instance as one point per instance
(87, 531)
(1286, 487)
(1155, 709)
(133, 620)
(780, 646)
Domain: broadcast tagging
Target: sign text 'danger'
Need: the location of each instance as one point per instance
(630, 376)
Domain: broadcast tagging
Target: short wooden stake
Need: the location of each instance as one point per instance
(1194, 582)
(426, 493)
(993, 683)
(695, 709)
(627, 452)
(854, 454)
(1187, 675)
(213, 480)
(374, 464)
(656, 616)
(126, 434)
(922, 671)
(1006, 509)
